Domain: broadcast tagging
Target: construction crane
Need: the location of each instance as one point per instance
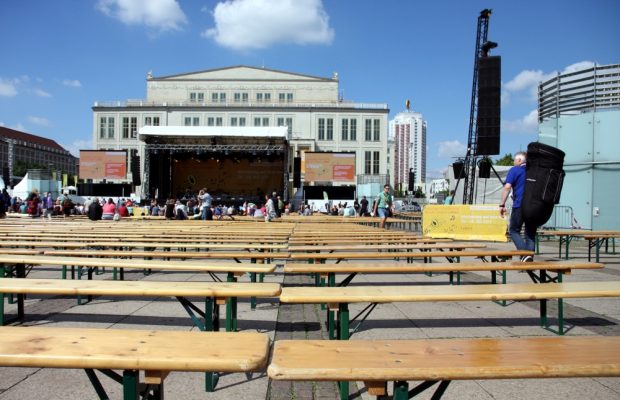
(469, 164)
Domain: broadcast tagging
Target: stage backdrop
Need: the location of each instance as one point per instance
(103, 164)
(464, 222)
(229, 176)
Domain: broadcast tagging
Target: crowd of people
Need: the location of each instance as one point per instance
(37, 205)
(199, 206)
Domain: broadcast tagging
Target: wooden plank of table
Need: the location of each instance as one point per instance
(138, 288)
(178, 244)
(445, 359)
(386, 246)
(389, 294)
(135, 263)
(426, 254)
(142, 238)
(355, 240)
(579, 233)
(369, 268)
(170, 254)
(132, 349)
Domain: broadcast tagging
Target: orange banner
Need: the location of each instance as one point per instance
(100, 164)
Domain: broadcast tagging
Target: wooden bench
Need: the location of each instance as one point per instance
(597, 241)
(153, 245)
(213, 294)
(14, 265)
(544, 267)
(384, 246)
(376, 362)
(338, 298)
(237, 256)
(360, 240)
(567, 236)
(157, 353)
(451, 256)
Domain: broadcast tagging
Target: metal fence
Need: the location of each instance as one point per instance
(563, 217)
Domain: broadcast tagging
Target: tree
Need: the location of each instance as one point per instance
(506, 160)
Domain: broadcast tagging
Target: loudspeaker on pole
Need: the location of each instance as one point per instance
(484, 169)
(411, 179)
(458, 169)
(297, 172)
(135, 170)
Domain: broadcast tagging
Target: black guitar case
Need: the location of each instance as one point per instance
(543, 182)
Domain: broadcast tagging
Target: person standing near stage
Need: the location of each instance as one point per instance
(206, 201)
(515, 182)
(280, 206)
(364, 207)
(383, 205)
(270, 208)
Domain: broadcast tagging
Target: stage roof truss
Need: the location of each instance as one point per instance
(204, 147)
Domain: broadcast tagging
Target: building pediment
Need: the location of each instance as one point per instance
(240, 73)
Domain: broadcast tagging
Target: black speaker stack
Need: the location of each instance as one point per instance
(489, 105)
(297, 172)
(135, 168)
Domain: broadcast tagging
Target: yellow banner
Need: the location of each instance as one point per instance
(65, 179)
(464, 222)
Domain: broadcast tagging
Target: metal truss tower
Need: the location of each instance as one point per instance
(469, 164)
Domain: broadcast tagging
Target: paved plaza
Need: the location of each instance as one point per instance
(587, 317)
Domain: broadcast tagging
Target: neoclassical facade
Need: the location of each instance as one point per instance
(316, 117)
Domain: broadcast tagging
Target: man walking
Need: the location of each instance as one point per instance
(515, 182)
(383, 205)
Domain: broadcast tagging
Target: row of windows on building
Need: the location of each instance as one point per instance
(240, 97)
(348, 129)
(348, 126)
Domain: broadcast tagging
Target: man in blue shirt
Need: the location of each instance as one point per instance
(515, 182)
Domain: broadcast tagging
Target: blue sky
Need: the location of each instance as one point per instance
(59, 57)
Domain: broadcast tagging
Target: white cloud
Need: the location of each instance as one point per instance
(72, 83)
(524, 80)
(77, 145)
(578, 66)
(2, 123)
(41, 93)
(436, 173)
(527, 80)
(451, 148)
(528, 124)
(18, 127)
(7, 88)
(41, 121)
(162, 15)
(257, 24)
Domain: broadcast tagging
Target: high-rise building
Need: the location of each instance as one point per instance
(407, 132)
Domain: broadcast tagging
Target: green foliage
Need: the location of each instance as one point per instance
(419, 194)
(21, 167)
(506, 160)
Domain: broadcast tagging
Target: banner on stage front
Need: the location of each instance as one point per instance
(464, 222)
